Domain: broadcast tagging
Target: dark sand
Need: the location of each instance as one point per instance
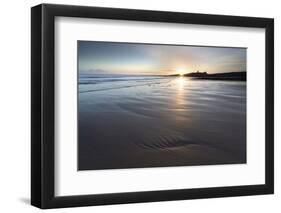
(158, 122)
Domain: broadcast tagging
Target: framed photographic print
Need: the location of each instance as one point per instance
(139, 106)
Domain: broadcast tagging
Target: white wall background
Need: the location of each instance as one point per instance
(15, 105)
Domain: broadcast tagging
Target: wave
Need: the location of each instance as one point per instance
(117, 82)
(97, 80)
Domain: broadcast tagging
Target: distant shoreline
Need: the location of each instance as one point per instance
(228, 76)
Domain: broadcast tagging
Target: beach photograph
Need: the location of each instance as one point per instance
(146, 105)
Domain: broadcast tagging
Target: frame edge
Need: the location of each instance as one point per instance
(269, 112)
(36, 50)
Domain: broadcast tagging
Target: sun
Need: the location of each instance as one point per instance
(180, 71)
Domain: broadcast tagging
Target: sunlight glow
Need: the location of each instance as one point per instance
(180, 82)
(180, 71)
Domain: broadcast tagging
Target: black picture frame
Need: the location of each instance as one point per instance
(43, 117)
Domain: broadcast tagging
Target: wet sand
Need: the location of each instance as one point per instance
(157, 122)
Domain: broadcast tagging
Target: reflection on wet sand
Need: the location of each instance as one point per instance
(140, 122)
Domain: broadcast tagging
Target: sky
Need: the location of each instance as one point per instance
(157, 59)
